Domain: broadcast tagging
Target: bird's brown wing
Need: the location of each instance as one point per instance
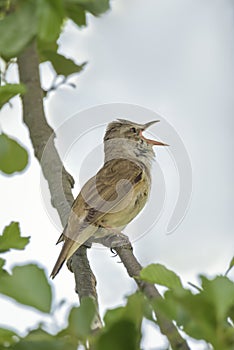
(101, 194)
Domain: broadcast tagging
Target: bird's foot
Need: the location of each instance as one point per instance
(115, 240)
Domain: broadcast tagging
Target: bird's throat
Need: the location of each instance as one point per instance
(136, 151)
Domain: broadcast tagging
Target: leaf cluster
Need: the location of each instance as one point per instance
(206, 314)
(24, 21)
(43, 21)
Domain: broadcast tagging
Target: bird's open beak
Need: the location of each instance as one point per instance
(152, 142)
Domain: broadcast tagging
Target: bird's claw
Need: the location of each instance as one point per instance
(113, 252)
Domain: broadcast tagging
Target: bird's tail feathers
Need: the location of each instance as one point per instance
(62, 236)
(69, 247)
(61, 239)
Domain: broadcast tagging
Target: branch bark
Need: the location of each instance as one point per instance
(42, 135)
(59, 180)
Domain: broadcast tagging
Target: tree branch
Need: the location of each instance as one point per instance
(59, 180)
(42, 135)
(133, 267)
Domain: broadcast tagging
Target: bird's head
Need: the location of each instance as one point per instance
(131, 131)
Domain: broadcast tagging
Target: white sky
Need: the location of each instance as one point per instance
(176, 59)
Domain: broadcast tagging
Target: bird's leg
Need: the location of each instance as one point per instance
(110, 238)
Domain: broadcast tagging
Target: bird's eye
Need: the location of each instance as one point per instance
(133, 130)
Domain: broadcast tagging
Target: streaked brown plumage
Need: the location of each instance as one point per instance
(116, 194)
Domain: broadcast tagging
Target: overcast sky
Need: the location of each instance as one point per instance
(175, 59)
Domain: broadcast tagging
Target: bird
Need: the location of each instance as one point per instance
(112, 198)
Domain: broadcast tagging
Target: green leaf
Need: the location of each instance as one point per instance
(93, 6)
(133, 311)
(148, 311)
(75, 12)
(7, 336)
(18, 29)
(2, 263)
(10, 90)
(11, 239)
(43, 46)
(135, 308)
(81, 318)
(159, 274)
(29, 286)
(122, 335)
(231, 313)
(13, 157)
(219, 292)
(39, 339)
(114, 315)
(50, 18)
(230, 266)
(62, 65)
